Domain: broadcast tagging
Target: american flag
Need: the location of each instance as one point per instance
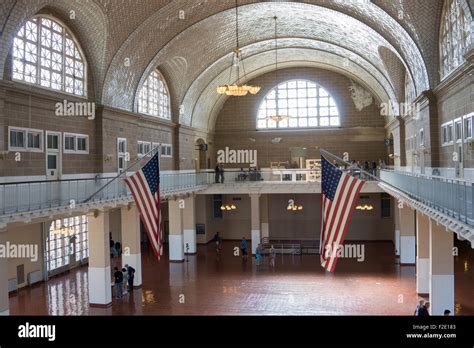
(145, 187)
(339, 193)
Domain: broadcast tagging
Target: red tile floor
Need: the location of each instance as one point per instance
(209, 286)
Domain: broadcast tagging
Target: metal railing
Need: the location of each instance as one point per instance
(37, 195)
(453, 197)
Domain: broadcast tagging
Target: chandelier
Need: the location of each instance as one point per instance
(277, 117)
(237, 89)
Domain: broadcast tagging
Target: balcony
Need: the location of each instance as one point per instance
(452, 197)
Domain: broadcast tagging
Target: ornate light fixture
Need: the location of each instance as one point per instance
(277, 117)
(237, 89)
(365, 207)
(292, 206)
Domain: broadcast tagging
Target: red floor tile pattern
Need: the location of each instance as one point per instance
(297, 286)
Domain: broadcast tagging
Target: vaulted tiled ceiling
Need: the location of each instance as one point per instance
(194, 52)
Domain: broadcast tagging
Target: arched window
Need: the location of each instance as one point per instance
(455, 35)
(409, 89)
(298, 104)
(46, 54)
(153, 98)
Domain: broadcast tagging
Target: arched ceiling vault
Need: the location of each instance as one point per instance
(190, 53)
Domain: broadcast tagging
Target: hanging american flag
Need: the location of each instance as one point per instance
(339, 193)
(145, 187)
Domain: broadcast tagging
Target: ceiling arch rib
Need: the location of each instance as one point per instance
(207, 103)
(309, 52)
(307, 20)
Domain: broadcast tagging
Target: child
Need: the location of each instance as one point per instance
(272, 256)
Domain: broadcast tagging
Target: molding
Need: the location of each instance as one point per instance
(457, 77)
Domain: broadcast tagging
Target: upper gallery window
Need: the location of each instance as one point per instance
(46, 54)
(455, 35)
(153, 98)
(298, 104)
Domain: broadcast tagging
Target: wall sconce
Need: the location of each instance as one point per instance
(365, 207)
(228, 207)
(294, 207)
(393, 155)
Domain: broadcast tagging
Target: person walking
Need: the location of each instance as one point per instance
(218, 241)
(259, 255)
(272, 256)
(125, 280)
(131, 276)
(421, 304)
(423, 311)
(118, 278)
(243, 247)
(221, 172)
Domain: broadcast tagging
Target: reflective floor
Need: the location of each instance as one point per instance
(207, 285)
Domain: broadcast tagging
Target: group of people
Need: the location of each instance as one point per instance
(368, 167)
(115, 247)
(422, 309)
(122, 278)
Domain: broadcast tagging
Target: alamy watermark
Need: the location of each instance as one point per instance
(237, 156)
(346, 251)
(19, 251)
(397, 109)
(80, 109)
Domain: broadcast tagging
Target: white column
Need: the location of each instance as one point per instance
(176, 240)
(265, 226)
(422, 254)
(397, 231)
(189, 225)
(407, 236)
(4, 301)
(100, 276)
(131, 247)
(255, 220)
(441, 285)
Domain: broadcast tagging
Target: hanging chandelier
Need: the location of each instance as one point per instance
(277, 117)
(237, 89)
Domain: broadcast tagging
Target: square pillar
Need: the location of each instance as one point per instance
(441, 284)
(265, 226)
(100, 276)
(255, 220)
(189, 225)
(397, 230)
(407, 236)
(131, 246)
(422, 254)
(175, 237)
(4, 301)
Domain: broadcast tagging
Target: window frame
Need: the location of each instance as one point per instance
(76, 137)
(293, 102)
(144, 143)
(25, 132)
(121, 154)
(139, 107)
(67, 33)
(166, 147)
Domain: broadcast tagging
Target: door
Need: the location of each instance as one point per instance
(53, 155)
(122, 155)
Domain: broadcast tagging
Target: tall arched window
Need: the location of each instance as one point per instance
(410, 94)
(45, 53)
(153, 98)
(298, 104)
(455, 35)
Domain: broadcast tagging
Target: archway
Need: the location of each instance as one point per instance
(200, 157)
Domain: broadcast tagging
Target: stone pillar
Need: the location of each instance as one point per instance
(441, 283)
(176, 240)
(407, 236)
(255, 220)
(422, 254)
(131, 243)
(265, 226)
(100, 276)
(189, 225)
(4, 301)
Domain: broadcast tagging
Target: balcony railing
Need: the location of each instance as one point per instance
(452, 197)
(29, 196)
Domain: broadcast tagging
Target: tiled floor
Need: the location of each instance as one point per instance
(297, 286)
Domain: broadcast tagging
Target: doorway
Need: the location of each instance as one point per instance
(53, 155)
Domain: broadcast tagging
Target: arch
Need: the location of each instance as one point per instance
(47, 54)
(306, 104)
